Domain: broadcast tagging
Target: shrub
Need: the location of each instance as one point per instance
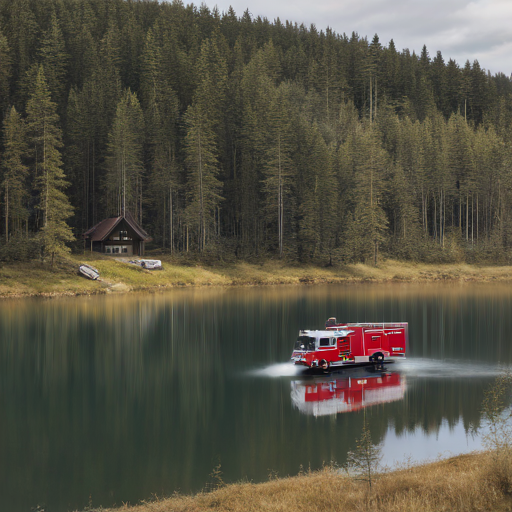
(20, 248)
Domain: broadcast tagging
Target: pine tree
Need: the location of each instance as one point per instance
(373, 67)
(257, 88)
(407, 190)
(316, 195)
(125, 157)
(15, 172)
(453, 87)
(369, 224)
(161, 112)
(82, 44)
(438, 167)
(391, 71)
(461, 163)
(478, 97)
(53, 57)
(203, 187)
(365, 459)
(21, 30)
(406, 230)
(325, 76)
(210, 95)
(278, 164)
(81, 153)
(45, 137)
(5, 74)
(439, 84)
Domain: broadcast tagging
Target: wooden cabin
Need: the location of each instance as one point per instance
(117, 236)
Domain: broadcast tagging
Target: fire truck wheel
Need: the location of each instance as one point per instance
(378, 358)
(323, 364)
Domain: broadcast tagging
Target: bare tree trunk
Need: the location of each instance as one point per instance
(467, 217)
(45, 170)
(201, 206)
(425, 210)
(435, 216)
(422, 209)
(371, 99)
(375, 98)
(93, 195)
(164, 228)
(472, 222)
(139, 180)
(460, 213)
(7, 212)
(124, 188)
(444, 215)
(87, 184)
(327, 95)
(280, 200)
(477, 219)
(171, 231)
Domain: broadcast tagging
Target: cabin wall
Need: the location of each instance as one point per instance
(118, 249)
(113, 248)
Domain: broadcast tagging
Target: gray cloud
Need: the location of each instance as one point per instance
(460, 29)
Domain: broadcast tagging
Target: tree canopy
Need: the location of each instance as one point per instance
(247, 137)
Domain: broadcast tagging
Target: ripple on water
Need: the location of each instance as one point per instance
(416, 367)
(450, 368)
(276, 370)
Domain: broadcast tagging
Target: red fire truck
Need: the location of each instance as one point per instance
(347, 393)
(350, 344)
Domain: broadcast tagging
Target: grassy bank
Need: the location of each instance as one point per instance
(465, 483)
(36, 279)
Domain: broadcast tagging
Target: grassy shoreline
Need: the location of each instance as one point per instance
(33, 279)
(471, 482)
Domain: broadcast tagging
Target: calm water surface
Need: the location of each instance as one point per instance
(120, 398)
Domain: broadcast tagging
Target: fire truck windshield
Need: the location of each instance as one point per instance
(305, 343)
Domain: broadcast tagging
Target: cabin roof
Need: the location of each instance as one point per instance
(102, 230)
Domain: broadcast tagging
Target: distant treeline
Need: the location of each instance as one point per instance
(240, 137)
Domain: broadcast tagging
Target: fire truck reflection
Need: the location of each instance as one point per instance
(348, 392)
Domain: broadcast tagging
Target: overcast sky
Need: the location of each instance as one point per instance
(460, 29)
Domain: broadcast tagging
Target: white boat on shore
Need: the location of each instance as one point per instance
(151, 264)
(89, 271)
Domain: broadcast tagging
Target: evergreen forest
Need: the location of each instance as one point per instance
(239, 137)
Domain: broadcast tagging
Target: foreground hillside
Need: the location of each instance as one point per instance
(35, 279)
(464, 483)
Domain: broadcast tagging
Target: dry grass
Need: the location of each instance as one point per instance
(460, 484)
(35, 279)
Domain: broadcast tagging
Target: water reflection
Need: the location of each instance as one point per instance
(123, 397)
(348, 392)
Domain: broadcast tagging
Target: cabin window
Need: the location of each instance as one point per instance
(107, 250)
(325, 342)
(125, 249)
(305, 343)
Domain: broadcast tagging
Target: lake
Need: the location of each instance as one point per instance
(115, 399)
